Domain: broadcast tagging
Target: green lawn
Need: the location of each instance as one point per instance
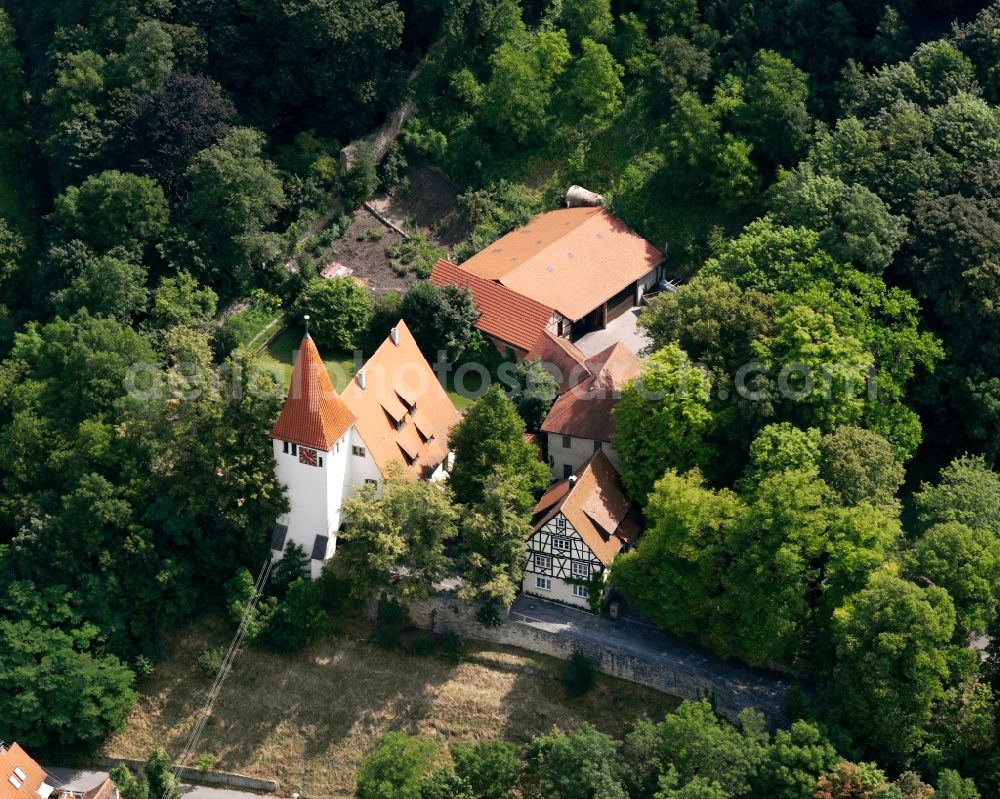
(277, 357)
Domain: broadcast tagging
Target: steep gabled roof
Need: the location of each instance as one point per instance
(503, 314)
(595, 504)
(314, 414)
(20, 776)
(566, 363)
(106, 790)
(585, 410)
(402, 412)
(571, 259)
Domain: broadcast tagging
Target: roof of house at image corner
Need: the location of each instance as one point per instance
(570, 259)
(595, 504)
(503, 314)
(403, 413)
(20, 776)
(584, 411)
(314, 414)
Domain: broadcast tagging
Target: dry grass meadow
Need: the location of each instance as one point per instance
(308, 720)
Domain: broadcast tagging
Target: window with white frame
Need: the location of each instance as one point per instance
(543, 583)
(543, 561)
(560, 544)
(581, 570)
(560, 522)
(581, 591)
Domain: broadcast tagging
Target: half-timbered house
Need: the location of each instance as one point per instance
(579, 526)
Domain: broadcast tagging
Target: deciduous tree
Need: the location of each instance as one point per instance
(339, 309)
(490, 440)
(663, 420)
(892, 653)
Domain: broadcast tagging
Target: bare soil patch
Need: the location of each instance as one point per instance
(428, 203)
(363, 249)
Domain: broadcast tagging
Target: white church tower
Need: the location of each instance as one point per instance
(311, 449)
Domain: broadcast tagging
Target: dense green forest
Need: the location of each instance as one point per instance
(824, 179)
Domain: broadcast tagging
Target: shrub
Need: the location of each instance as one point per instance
(205, 762)
(578, 675)
(450, 646)
(209, 662)
(488, 615)
(417, 254)
(143, 667)
(239, 594)
(298, 620)
(340, 310)
(362, 181)
(390, 618)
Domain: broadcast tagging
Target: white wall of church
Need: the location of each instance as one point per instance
(360, 468)
(314, 495)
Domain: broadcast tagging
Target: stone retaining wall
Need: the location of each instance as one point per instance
(445, 612)
(221, 779)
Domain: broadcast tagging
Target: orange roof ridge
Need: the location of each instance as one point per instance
(314, 415)
(391, 431)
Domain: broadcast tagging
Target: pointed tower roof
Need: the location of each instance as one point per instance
(314, 414)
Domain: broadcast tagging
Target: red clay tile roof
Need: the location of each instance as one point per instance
(314, 414)
(503, 314)
(400, 386)
(571, 259)
(106, 790)
(14, 757)
(566, 363)
(585, 410)
(596, 505)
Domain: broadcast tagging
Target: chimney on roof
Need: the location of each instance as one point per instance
(394, 335)
(361, 378)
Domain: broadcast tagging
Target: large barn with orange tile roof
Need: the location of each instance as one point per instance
(582, 264)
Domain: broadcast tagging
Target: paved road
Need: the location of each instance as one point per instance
(758, 687)
(71, 779)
